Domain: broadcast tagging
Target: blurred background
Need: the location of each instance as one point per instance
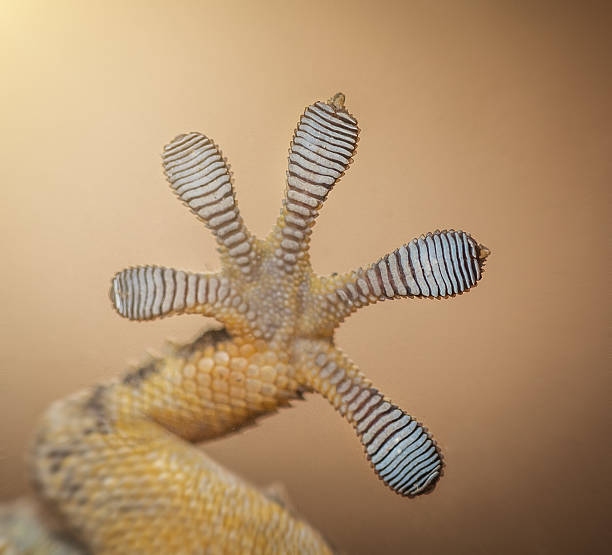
(492, 117)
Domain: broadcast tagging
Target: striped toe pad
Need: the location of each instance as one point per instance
(439, 264)
(400, 450)
(148, 292)
(201, 178)
(321, 150)
(198, 174)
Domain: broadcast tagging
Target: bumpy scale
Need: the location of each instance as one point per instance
(117, 461)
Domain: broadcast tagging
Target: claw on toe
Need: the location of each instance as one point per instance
(337, 101)
(483, 252)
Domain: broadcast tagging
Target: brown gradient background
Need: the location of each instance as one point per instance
(483, 116)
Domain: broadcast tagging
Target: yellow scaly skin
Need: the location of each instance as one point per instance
(116, 462)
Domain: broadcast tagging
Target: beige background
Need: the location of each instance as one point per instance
(484, 116)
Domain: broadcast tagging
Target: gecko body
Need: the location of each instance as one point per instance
(117, 462)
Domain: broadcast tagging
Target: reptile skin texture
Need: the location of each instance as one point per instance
(117, 463)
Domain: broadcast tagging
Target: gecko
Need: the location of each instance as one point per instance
(118, 463)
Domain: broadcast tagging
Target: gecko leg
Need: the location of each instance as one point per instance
(125, 475)
(117, 461)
